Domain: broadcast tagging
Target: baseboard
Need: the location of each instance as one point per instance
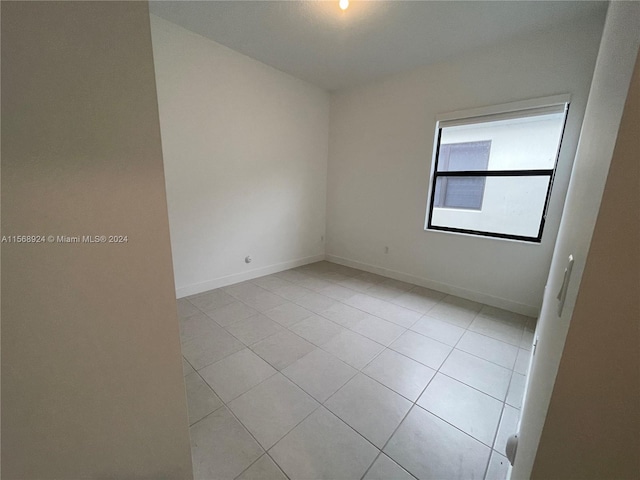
(241, 277)
(497, 302)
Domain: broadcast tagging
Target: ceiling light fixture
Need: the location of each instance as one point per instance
(344, 4)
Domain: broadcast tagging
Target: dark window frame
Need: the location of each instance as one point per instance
(495, 173)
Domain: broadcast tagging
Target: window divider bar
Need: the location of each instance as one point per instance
(495, 173)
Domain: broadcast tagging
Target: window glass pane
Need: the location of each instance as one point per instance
(459, 192)
(457, 157)
(510, 205)
(529, 143)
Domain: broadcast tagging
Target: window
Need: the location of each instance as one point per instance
(458, 192)
(493, 169)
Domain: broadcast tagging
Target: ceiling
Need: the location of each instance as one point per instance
(316, 41)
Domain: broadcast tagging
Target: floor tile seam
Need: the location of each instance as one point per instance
(495, 437)
(265, 450)
(344, 423)
(492, 338)
(434, 339)
(435, 370)
(242, 319)
(354, 429)
(309, 393)
(256, 461)
(487, 360)
(509, 388)
(221, 358)
(475, 388)
(371, 378)
(490, 447)
(382, 450)
(355, 331)
(247, 391)
(443, 319)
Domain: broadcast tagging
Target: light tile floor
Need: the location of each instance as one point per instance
(327, 372)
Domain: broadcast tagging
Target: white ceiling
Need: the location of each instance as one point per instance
(317, 42)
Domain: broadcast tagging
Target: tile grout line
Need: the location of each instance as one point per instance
(360, 370)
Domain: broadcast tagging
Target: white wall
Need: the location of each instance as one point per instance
(92, 382)
(381, 140)
(245, 154)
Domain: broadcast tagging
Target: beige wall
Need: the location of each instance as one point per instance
(592, 430)
(91, 373)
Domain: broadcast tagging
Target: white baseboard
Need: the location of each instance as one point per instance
(241, 277)
(497, 302)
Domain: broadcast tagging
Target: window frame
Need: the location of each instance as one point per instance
(497, 112)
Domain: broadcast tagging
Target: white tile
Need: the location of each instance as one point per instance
(344, 315)
(516, 390)
(438, 330)
(498, 329)
(386, 469)
(210, 299)
(196, 326)
(186, 308)
(504, 315)
(366, 303)
(211, 346)
(522, 362)
(371, 409)
(282, 349)
(455, 310)
(230, 313)
(186, 368)
(236, 374)
(320, 374)
(288, 314)
(526, 341)
(316, 329)
(263, 469)
(421, 349)
(254, 296)
(272, 409)
(508, 426)
(322, 447)
(488, 348)
(498, 467)
(400, 373)
(379, 330)
(201, 400)
(353, 348)
(281, 287)
(485, 376)
(293, 276)
(389, 289)
(270, 282)
(398, 315)
(254, 329)
(314, 283)
(315, 302)
(337, 292)
(419, 299)
(221, 447)
(473, 412)
(356, 283)
(428, 447)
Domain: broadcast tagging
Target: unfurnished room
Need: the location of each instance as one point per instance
(341, 240)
